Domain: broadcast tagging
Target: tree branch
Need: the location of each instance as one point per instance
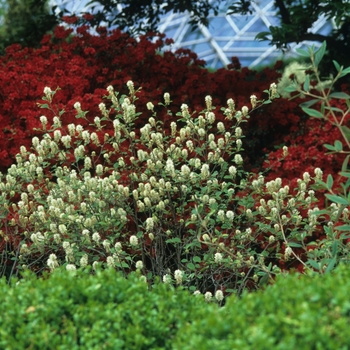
(283, 11)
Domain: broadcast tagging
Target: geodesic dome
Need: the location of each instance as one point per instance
(225, 37)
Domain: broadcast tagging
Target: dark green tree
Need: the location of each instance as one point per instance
(25, 22)
(144, 15)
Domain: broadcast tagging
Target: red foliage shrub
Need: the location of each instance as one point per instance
(83, 66)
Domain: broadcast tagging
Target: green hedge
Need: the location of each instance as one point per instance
(106, 311)
(298, 312)
(103, 311)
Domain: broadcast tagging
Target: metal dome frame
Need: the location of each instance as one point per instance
(225, 37)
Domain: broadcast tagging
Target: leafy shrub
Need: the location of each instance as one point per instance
(108, 311)
(84, 311)
(144, 198)
(298, 312)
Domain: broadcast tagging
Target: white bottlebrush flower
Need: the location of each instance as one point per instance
(99, 169)
(208, 296)
(232, 170)
(167, 279)
(185, 170)
(43, 120)
(139, 264)
(238, 159)
(218, 258)
(118, 247)
(211, 117)
(206, 238)
(149, 224)
(238, 132)
(84, 260)
(47, 91)
(71, 267)
(130, 85)
(208, 102)
(219, 295)
(150, 106)
(62, 228)
(52, 262)
(96, 237)
(106, 245)
(134, 240)
(245, 110)
(318, 173)
(110, 261)
(166, 98)
(288, 252)
(253, 101)
(230, 215)
(306, 177)
(37, 238)
(221, 126)
(178, 274)
(95, 265)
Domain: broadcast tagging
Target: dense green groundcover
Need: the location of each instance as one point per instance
(106, 311)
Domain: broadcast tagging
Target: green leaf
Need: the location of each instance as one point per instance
(330, 147)
(295, 245)
(345, 173)
(346, 132)
(337, 199)
(335, 248)
(264, 279)
(314, 264)
(302, 52)
(312, 112)
(173, 240)
(337, 66)
(338, 146)
(306, 85)
(340, 95)
(329, 181)
(344, 167)
(345, 72)
(191, 266)
(331, 265)
(320, 53)
(196, 259)
(262, 36)
(309, 103)
(334, 109)
(343, 228)
(291, 88)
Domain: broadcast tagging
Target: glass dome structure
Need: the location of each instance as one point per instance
(225, 37)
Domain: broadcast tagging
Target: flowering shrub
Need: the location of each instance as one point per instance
(170, 199)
